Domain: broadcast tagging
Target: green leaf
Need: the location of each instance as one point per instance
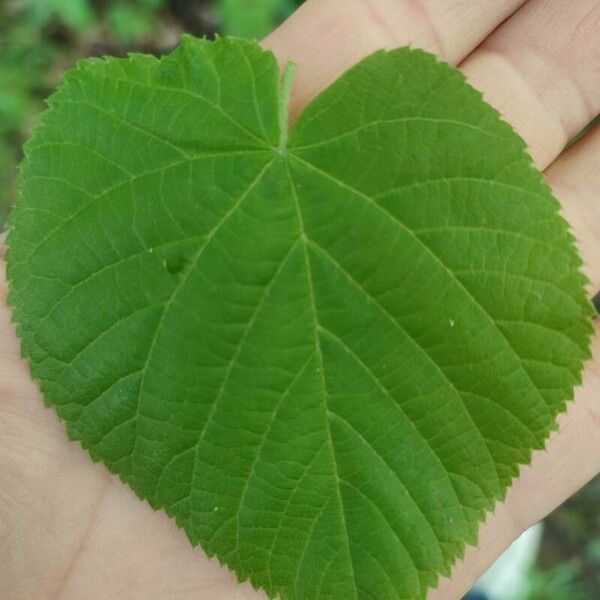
(324, 354)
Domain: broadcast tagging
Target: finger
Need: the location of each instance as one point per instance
(541, 69)
(325, 37)
(575, 178)
(571, 459)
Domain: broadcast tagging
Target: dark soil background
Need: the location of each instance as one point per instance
(39, 39)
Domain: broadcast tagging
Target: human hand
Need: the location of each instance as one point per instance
(70, 530)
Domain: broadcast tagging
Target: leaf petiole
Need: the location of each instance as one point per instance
(285, 91)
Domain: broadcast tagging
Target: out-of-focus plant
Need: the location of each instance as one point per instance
(25, 58)
(77, 14)
(563, 582)
(253, 18)
(569, 564)
(132, 22)
(127, 21)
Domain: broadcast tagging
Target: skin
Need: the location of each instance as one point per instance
(70, 530)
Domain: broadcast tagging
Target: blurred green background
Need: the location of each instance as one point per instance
(39, 39)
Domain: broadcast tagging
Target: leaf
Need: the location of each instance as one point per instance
(324, 356)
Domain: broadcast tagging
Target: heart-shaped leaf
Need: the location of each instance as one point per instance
(324, 354)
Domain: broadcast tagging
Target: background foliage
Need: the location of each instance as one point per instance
(39, 39)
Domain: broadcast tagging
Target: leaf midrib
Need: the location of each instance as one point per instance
(321, 369)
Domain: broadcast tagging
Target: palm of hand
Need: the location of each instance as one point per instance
(70, 530)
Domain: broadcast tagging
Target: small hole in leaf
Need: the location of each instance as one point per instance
(174, 264)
